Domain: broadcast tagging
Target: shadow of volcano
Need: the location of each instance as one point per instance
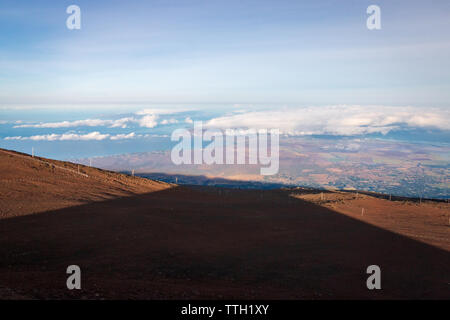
(201, 180)
(186, 242)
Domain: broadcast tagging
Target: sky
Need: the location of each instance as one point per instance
(224, 52)
(137, 70)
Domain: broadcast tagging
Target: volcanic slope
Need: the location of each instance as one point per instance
(140, 239)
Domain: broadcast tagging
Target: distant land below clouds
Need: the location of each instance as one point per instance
(339, 120)
(377, 148)
(390, 167)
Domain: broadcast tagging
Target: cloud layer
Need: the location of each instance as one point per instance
(122, 123)
(337, 120)
(74, 136)
(146, 118)
(329, 120)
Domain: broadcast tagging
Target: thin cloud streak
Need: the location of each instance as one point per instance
(146, 118)
(97, 136)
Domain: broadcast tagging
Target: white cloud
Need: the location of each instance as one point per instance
(123, 136)
(80, 123)
(89, 136)
(188, 120)
(153, 111)
(160, 111)
(75, 137)
(122, 123)
(169, 121)
(337, 120)
(148, 121)
(145, 118)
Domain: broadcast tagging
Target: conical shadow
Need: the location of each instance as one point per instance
(214, 243)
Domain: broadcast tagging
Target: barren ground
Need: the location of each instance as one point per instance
(141, 239)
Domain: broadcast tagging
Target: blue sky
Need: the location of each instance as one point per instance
(225, 52)
(305, 67)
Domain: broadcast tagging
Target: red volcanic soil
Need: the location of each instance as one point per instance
(428, 221)
(139, 239)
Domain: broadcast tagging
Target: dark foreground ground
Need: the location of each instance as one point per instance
(139, 240)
